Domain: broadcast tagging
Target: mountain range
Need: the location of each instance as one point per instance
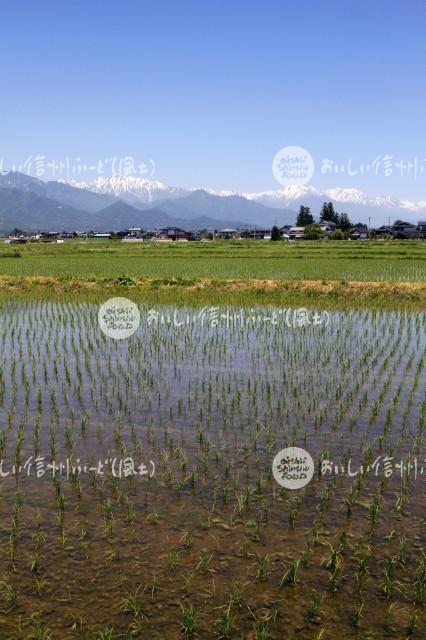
(28, 203)
(357, 204)
(123, 201)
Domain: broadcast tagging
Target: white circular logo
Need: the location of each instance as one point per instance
(293, 468)
(293, 165)
(119, 318)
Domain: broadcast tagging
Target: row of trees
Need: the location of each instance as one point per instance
(328, 214)
(313, 229)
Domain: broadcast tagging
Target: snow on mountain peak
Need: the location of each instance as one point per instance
(220, 192)
(342, 194)
(141, 189)
(285, 194)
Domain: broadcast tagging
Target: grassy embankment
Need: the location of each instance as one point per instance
(340, 274)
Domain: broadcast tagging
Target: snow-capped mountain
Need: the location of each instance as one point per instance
(130, 188)
(24, 199)
(354, 196)
(286, 196)
(293, 194)
(356, 203)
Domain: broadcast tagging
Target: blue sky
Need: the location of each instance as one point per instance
(210, 91)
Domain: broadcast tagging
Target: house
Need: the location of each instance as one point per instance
(261, 234)
(384, 230)
(41, 236)
(100, 236)
(327, 226)
(17, 240)
(359, 234)
(172, 234)
(285, 232)
(134, 234)
(406, 230)
(256, 234)
(49, 236)
(421, 225)
(227, 234)
(297, 233)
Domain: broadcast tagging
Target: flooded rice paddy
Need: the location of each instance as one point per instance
(137, 497)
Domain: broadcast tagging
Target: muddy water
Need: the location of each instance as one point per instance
(204, 400)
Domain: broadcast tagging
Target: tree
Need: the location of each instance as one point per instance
(313, 232)
(332, 215)
(304, 217)
(275, 233)
(337, 235)
(328, 214)
(344, 222)
(324, 212)
(17, 232)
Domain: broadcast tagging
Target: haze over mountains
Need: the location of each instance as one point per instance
(124, 201)
(31, 204)
(357, 204)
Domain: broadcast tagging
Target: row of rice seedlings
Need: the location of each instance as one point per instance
(213, 397)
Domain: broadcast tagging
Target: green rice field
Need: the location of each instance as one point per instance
(396, 261)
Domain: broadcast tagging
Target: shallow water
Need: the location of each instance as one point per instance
(206, 399)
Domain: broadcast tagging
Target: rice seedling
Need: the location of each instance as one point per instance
(262, 567)
(132, 603)
(315, 607)
(420, 580)
(357, 614)
(261, 630)
(388, 577)
(291, 574)
(189, 616)
(105, 634)
(8, 594)
(225, 624)
(413, 622)
(389, 618)
(40, 630)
